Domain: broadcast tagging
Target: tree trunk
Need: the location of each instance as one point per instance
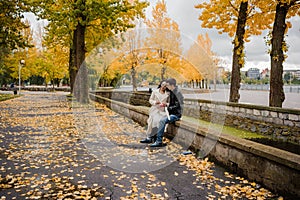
(276, 96)
(163, 72)
(81, 87)
(162, 62)
(215, 83)
(72, 67)
(133, 78)
(238, 53)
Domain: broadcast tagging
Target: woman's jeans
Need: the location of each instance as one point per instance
(162, 125)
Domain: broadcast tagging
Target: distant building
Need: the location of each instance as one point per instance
(253, 73)
(295, 73)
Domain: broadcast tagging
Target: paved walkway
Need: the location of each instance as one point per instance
(53, 149)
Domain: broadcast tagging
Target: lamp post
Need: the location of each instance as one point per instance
(21, 64)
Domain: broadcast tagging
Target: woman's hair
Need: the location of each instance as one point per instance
(160, 84)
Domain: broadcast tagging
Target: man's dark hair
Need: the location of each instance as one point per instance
(171, 81)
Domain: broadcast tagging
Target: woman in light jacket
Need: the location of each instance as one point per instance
(158, 101)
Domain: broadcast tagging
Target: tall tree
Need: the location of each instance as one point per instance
(13, 59)
(241, 19)
(200, 55)
(12, 25)
(12, 35)
(82, 19)
(132, 46)
(238, 53)
(164, 35)
(284, 9)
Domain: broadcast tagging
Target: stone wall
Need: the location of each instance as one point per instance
(137, 113)
(276, 169)
(278, 123)
(133, 98)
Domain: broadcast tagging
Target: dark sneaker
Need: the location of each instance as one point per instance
(147, 140)
(157, 144)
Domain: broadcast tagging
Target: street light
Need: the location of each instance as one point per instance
(21, 64)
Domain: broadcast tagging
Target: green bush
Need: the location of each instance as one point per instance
(4, 97)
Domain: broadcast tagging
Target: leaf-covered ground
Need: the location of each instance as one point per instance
(54, 149)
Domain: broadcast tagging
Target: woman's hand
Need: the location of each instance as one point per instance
(162, 105)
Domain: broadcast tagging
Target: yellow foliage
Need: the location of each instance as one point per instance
(223, 15)
(201, 57)
(164, 41)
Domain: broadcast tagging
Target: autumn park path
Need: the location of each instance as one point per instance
(51, 148)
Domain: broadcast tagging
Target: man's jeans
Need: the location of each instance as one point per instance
(162, 125)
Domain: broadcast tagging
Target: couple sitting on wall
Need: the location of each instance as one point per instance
(167, 106)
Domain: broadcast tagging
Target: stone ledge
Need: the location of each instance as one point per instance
(269, 121)
(276, 169)
(277, 155)
(250, 106)
(286, 158)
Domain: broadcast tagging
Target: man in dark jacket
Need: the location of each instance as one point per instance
(174, 108)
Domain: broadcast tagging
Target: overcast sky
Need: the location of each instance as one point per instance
(184, 13)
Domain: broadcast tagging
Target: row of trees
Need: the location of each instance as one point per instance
(243, 18)
(240, 19)
(76, 27)
(155, 46)
(19, 42)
